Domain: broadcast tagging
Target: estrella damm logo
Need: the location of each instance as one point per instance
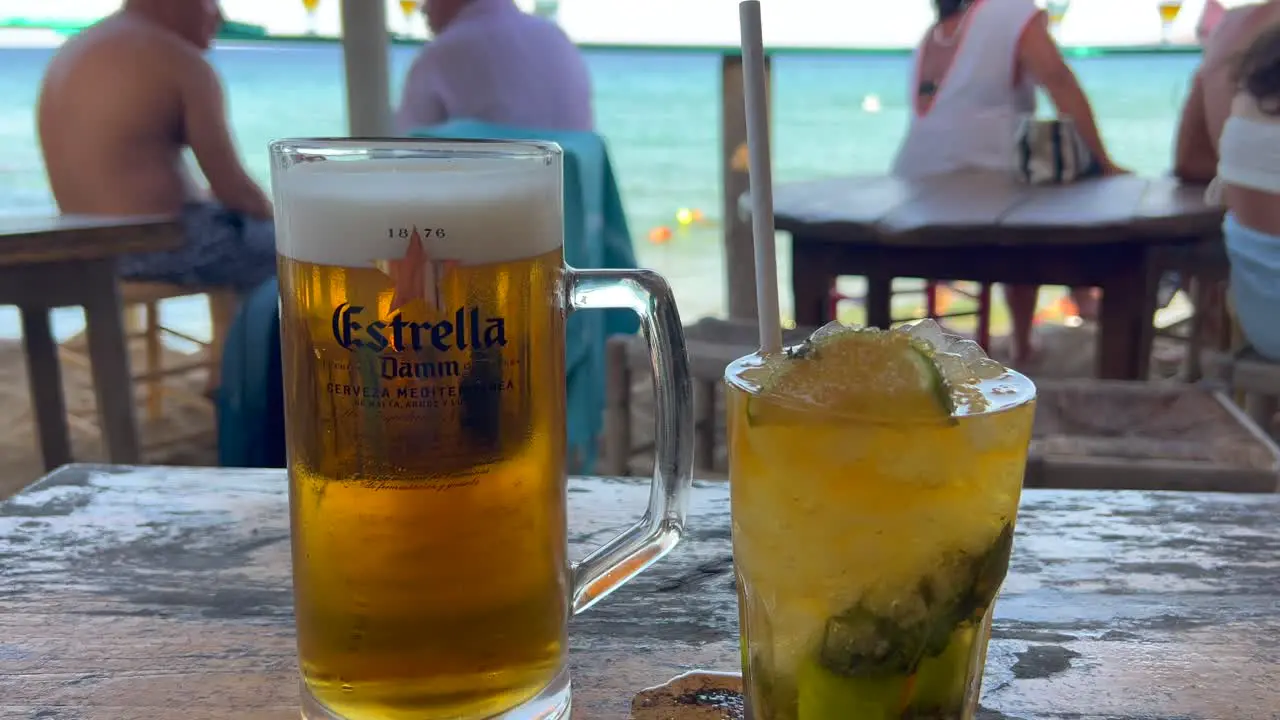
(468, 330)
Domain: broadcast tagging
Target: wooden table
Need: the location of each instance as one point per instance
(63, 260)
(1116, 233)
(153, 593)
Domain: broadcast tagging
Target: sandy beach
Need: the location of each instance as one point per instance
(184, 434)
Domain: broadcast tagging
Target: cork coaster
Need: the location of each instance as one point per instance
(697, 695)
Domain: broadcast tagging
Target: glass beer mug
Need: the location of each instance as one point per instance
(423, 298)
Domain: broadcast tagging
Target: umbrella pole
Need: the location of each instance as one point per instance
(366, 51)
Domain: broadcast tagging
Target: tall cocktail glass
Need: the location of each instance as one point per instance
(875, 479)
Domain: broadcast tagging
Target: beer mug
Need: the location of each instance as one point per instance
(423, 299)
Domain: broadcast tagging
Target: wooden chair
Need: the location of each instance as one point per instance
(931, 288)
(141, 301)
(1254, 381)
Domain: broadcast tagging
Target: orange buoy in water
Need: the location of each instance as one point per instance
(660, 235)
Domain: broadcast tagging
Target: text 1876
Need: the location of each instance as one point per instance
(405, 233)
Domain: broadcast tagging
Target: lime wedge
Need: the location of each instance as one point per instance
(942, 680)
(824, 695)
(865, 374)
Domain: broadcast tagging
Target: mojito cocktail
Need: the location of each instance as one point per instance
(875, 479)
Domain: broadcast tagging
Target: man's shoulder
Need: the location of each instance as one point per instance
(548, 28)
(519, 22)
(124, 41)
(477, 43)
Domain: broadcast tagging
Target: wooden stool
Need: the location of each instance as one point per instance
(712, 344)
(144, 298)
(1254, 381)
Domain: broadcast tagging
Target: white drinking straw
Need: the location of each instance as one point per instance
(755, 86)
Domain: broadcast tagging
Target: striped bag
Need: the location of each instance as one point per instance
(1051, 152)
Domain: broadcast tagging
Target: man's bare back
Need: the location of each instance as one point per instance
(119, 104)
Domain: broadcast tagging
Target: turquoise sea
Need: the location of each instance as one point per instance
(659, 110)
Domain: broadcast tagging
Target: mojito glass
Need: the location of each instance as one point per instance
(875, 478)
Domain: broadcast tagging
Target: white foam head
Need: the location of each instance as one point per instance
(351, 213)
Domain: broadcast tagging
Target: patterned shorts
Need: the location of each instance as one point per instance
(222, 248)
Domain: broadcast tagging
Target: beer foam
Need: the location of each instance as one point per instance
(352, 214)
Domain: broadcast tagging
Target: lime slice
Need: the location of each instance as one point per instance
(942, 680)
(824, 695)
(864, 374)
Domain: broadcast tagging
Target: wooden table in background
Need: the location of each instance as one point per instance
(150, 593)
(55, 261)
(1117, 234)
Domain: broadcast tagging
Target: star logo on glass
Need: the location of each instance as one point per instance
(415, 276)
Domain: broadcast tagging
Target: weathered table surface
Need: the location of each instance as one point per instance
(164, 593)
(49, 261)
(1116, 233)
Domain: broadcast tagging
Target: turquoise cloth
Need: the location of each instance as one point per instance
(596, 236)
(1255, 285)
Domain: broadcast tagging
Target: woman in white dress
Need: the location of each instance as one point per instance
(975, 76)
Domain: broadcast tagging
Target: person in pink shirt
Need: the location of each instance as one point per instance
(493, 62)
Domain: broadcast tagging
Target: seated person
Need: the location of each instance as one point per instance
(491, 61)
(1248, 184)
(1213, 87)
(975, 76)
(119, 104)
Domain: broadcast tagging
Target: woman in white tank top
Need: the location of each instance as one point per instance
(975, 75)
(1248, 183)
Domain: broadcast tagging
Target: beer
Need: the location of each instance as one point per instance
(1169, 10)
(423, 348)
(1057, 10)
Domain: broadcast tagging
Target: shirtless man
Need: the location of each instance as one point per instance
(119, 104)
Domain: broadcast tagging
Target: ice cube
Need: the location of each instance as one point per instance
(968, 351)
(989, 369)
(930, 332)
(835, 327)
(954, 369)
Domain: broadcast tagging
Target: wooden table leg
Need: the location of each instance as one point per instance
(616, 459)
(1125, 321)
(879, 300)
(704, 426)
(45, 383)
(811, 282)
(109, 357)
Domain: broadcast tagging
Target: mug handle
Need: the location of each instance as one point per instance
(622, 558)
